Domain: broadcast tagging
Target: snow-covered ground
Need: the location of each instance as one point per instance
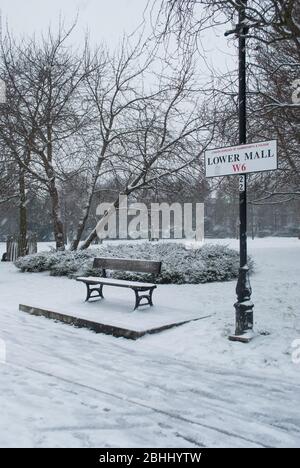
(187, 387)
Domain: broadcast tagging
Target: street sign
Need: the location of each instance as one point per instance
(242, 159)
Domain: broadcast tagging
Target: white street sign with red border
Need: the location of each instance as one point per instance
(242, 159)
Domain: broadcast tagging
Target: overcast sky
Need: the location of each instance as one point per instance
(105, 19)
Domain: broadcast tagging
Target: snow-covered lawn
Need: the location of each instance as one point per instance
(187, 387)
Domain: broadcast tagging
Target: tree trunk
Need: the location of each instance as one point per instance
(58, 226)
(89, 240)
(22, 215)
(87, 208)
(82, 222)
(93, 235)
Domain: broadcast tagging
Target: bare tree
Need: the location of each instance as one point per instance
(44, 118)
(270, 21)
(8, 179)
(114, 92)
(273, 39)
(165, 131)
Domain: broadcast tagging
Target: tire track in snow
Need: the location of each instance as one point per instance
(146, 406)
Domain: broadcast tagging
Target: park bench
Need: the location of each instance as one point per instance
(143, 291)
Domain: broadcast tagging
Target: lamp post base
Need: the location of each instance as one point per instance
(243, 316)
(244, 322)
(243, 307)
(245, 338)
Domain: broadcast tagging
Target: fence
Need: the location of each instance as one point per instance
(15, 247)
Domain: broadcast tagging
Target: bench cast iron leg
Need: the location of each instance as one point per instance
(90, 290)
(150, 297)
(101, 291)
(139, 298)
(88, 294)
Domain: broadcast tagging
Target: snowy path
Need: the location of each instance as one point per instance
(184, 388)
(116, 410)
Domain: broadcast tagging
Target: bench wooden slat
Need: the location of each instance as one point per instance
(122, 264)
(115, 282)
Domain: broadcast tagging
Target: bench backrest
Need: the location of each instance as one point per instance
(124, 264)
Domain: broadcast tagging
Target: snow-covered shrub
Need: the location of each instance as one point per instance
(58, 263)
(179, 264)
(73, 263)
(42, 261)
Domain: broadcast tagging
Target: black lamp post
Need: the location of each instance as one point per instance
(243, 306)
